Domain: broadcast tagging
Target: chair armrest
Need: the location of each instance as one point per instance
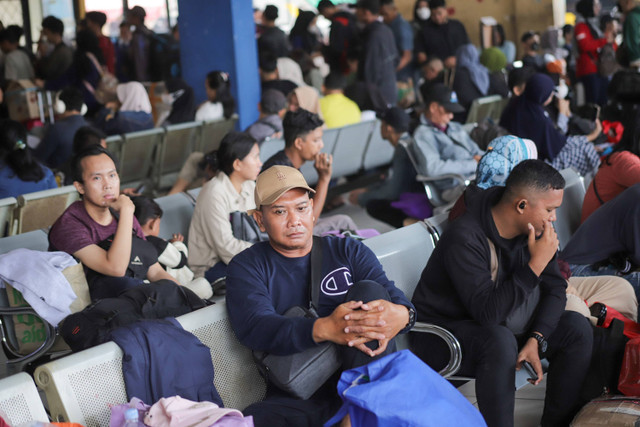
(457, 177)
(455, 359)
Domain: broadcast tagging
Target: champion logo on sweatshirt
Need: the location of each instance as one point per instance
(136, 261)
(337, 282)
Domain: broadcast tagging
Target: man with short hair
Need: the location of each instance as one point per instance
(531, 58)
(101, 232)
(55, 148)
(359, 308)
(403, 35)
(273, 40)
(55, 56)
(440, 36)
(95, 21)
(272, 107)
(337, 109)
(494, 282)
(303, 143)
(140, 46)
(379, 57)
(377, 198)
(343, 36)
(270, 78)
(441, 146)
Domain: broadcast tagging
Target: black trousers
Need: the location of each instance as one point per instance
(382, 210)
(490, 354)
(281, 410)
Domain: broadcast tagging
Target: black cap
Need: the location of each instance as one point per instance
(396, 117)
(434, 4)
(372, 6)
(441, 94)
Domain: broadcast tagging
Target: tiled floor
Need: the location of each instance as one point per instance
(529, 402)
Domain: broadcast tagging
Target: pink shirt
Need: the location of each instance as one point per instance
(619, 172)
(75, 230)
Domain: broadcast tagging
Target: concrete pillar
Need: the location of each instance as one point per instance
(220, 35)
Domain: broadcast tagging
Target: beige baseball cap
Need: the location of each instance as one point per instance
(275, 181)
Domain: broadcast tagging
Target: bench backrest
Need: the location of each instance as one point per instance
(569, 213)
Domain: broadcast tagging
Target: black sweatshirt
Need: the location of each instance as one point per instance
(456, 283)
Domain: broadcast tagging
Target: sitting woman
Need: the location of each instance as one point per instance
(20, 172)
(471, 78)
(526, 117)
(618, 171)
(212, 243)
(220, 104)
(131, 113)
(183, 104)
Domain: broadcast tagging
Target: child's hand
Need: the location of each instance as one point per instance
(177, 238)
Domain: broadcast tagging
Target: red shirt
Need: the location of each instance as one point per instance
(109, 53)
(588, 47)
(617, 173)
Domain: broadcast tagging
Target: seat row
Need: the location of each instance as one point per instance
(80, 387)
(155, 156)
(354, 148)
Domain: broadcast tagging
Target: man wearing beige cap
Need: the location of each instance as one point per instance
(359, 308)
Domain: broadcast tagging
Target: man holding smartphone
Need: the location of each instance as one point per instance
(494, 282)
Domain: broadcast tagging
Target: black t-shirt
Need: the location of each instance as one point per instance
(441, 41)
(278, 159)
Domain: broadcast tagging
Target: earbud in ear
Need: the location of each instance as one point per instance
(522, 205)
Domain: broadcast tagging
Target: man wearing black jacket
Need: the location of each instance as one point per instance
(494, 282)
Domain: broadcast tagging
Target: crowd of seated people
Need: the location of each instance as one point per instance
(496, 279)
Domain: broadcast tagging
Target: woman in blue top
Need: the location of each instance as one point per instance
(20, 173)
(131, 113)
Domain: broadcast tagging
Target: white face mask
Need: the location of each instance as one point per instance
(423, 13)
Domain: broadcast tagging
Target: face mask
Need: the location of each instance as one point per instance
(535, 46)
(423, 13)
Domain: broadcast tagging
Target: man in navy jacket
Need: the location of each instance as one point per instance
(494, 282)
(359, 308)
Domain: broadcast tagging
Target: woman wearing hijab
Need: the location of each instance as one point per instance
(527, 118)
(421, 14)
(131, 113)
(471, 78)
(307, 98)
(590, 39)
(183, 104)
(496, 62)
(300, 36)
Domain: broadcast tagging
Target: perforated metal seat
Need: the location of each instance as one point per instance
(80, 387)
(20, 401)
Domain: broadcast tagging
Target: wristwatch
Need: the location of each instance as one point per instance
(542, 342)
(412, 317)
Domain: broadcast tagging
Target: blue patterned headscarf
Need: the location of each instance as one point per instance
(503, 154)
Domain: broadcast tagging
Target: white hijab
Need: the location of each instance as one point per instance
(133, 97)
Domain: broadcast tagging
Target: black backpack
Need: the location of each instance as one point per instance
(93, 325)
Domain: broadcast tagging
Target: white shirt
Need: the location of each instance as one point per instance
(210, 236)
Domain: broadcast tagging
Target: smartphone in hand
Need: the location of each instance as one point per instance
(527, 366)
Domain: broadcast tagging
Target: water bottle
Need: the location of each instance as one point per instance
(131, 417)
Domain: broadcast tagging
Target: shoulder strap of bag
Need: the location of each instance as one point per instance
(595, 190)
(316, 272)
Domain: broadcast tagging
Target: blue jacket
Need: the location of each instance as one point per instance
(262, 285)
(55, 148)
(123, 121)
(162, 360)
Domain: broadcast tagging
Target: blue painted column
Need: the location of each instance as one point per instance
(220, 35)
